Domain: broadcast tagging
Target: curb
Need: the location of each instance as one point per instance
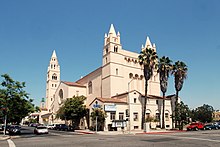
(163, 132)
(5, 137)
(84, 132)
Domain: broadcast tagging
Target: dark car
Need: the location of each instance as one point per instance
(210, 126)
(14, 130)
(217, 124)
(63, 127)
(57, 126)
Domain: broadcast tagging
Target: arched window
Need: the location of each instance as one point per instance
(116, 48)
(116, 71)
(130, 75)
(54, 77)
(141, 77)
(60, 96)
(136, 76)
(90, 87)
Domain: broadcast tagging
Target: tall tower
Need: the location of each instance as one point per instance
(111, 63)
(53, 79)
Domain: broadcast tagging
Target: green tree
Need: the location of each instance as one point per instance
(164, 69)
(180, 73)
(73, 109)
(147, 58)
(101, 115)
(14, 100)
(182, 114)
(203, 113)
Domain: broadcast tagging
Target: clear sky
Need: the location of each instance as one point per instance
(185, 30)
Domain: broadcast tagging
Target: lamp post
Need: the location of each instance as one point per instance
(5, 121)
(129, 105)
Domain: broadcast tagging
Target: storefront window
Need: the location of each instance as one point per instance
(112, 115)
(121, 116)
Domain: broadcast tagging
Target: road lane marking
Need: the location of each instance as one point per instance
(11, 143)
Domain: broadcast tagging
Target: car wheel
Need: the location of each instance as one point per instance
(196, 129)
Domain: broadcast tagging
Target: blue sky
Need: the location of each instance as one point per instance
(185, 30)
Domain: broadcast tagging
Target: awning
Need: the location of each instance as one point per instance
(46, 115)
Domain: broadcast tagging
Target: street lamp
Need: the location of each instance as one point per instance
(4, 109)
(129, 105)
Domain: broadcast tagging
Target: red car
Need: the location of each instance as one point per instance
(195, 126)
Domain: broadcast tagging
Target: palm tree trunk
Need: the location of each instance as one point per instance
(176, 102)
(163, 121)
(144, 106)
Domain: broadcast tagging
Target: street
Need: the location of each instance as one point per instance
(68, 139)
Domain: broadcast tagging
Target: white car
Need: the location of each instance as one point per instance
(52, 126)
(41, 130)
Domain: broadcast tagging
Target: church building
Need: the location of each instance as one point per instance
(117, 87)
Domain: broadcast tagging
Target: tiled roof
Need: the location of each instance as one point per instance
(149, 96)
(110, 100)
(73, 84)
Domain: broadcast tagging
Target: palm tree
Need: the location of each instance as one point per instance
(180, 73)
(164, 69)
(147, 58)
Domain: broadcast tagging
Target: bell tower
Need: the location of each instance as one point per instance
(53, 79)
(112, 44)
(112, 69)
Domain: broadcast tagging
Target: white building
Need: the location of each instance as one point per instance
(117, 86)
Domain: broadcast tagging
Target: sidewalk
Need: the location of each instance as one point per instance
(133, 132)
(4, 137)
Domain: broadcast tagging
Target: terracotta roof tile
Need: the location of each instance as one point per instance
(73, 84)
(111, 100)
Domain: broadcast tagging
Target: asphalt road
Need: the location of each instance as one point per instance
(72, 139)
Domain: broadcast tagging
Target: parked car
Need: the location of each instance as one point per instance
(41, 130)
(57, 126)
(33, 125)
(52, 126)
(71, 128)
(63, 127)
(14, 129)
(195, 126)
(210, 126)
(217, 124)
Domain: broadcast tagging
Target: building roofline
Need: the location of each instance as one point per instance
(72, 84)
(89, 74)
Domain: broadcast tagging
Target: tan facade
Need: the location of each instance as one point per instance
(119, 78)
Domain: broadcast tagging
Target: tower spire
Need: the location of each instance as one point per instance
(112, 30)
(148, 43)
(54, 54)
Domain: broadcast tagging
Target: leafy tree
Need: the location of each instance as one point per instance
(37, 109)
(148, 58)
(101, 115)
(202, 113)
(14, 100)
(73, 109)
(180, 73)
(182, 114)
(164, 69)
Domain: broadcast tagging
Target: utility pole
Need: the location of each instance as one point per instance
(129, 106)
(96, 125)
(5, 124)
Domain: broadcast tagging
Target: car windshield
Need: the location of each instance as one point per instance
(14, 127)
(193, 123)
(208, 124)
(41, 127)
